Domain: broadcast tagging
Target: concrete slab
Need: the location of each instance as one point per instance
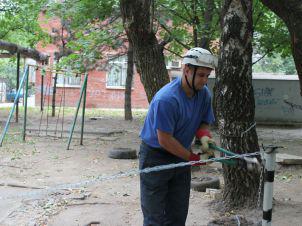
(287, 159)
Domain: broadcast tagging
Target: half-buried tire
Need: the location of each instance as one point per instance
(122, 153)
(204, 182)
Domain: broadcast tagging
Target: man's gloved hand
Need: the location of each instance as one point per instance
(195, 157)
(201, 156)
(205, 138)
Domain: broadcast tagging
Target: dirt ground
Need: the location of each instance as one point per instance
(42, 162)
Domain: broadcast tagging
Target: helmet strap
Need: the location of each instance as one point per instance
(193, 81)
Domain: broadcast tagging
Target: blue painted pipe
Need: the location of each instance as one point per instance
(25, 75)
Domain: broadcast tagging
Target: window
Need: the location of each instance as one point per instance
(117, 72)
(70, 81)
(66, 78)
(173, 64)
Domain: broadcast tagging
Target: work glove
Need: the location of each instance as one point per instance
(201, 156)
(205, 139)
(195, 157)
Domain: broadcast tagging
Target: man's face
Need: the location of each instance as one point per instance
(201, 77)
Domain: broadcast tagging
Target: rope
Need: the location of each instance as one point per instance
(58, 115)
(252, 126)
(63, 107)
(241, 133)
(47, 109)
(43, 102)
(131, 172)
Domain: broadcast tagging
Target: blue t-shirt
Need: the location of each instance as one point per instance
(173, 112)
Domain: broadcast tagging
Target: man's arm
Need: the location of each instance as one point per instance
(204, 134)
(169, 143)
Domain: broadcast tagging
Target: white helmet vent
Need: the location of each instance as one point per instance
(200, 57)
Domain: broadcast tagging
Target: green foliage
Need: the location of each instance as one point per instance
(179, 20)
(276, 64)
(271, 35)
(8, 72)
(93, 27)
(19, 22)
(271, 38)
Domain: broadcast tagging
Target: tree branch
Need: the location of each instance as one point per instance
(25, 52)
(175, 53)
(6, 55)
(261, 57)
(267, 52)
(257, 19)
(176, 14)
(186, 9)
(172, 36)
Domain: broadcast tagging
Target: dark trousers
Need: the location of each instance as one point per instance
(164, 194)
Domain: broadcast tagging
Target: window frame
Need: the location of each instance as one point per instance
(114, 60)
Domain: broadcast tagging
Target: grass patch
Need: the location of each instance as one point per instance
(70, 111)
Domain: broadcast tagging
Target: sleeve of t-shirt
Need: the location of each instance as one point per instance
(164, 116)
(208, 116)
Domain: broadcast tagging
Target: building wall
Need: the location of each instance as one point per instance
(98, 96)
(277, 98)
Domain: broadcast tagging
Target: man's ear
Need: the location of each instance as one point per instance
(186, 69)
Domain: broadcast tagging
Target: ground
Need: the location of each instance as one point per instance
(30, 169)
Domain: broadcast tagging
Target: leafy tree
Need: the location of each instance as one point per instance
(19, 22)
(93, 27)
(18, 25)
(290, 11)
(276, 64)
(188, 23)
(270, 33)
(139, 27)
(8, 72)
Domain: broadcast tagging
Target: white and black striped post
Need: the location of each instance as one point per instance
(269, 174)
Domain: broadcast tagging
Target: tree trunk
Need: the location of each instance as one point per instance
(148, 52)
(208, 17)
(129, 78)
(235, 101)
(195, 22)
(290, 11)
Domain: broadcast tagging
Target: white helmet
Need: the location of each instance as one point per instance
(200, 57)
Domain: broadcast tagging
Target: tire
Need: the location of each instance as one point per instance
(232, 220)
(202, 183)
(122, 153)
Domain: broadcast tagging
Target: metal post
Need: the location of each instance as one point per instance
(270, 161)
(13, 108)
(54, 93)
(77, 111)
(42, 89)
(17, 86)
(83, 111)
(25, 105)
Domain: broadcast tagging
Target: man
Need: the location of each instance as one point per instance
(177, 112)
